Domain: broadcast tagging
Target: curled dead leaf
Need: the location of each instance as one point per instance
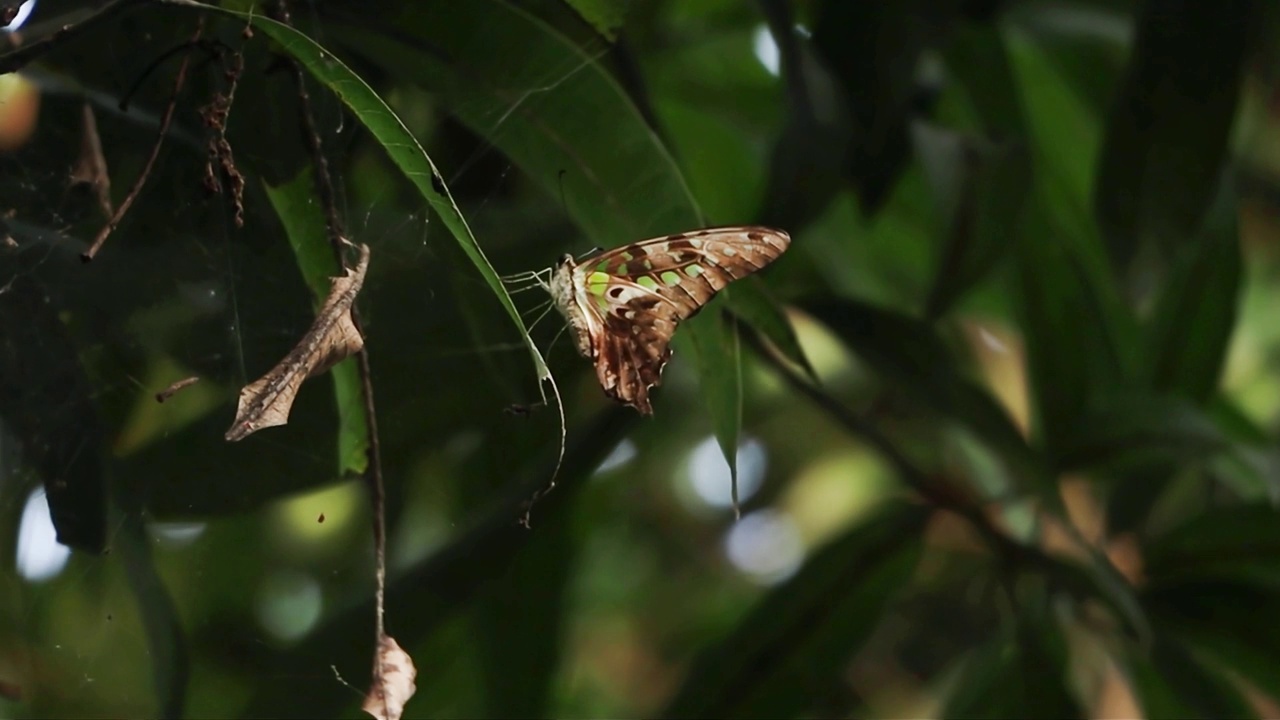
(333, 337)
(393, 681)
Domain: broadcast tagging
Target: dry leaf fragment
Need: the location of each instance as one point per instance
(333, 337)
(175, 388)
(392, 681)
(91, 168)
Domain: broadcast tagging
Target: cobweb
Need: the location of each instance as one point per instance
(179, 291)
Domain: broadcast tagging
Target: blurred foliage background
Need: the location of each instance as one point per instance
(1009, 404)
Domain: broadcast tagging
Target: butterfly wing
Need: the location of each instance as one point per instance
(688, 269)
(637, 295)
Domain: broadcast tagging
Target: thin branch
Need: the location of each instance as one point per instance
(19, 58)
(338, 241)
(141, 182)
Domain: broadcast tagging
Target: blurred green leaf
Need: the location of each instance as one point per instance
(1195, 313)
(908, 353)
(990, 191)
(797, 641)
(1170, 682)
(1220, 623)
(46, 401)
(1238, 544)
(1168, 129)
(606, 16)
(1020, 674)
(421, 599)
(296, 205)
(1072, 355)
(1134, 429)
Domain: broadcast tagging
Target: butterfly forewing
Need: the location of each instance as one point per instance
(624, 304)
(689, 268)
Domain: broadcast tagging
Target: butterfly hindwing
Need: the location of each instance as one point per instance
(624, 304)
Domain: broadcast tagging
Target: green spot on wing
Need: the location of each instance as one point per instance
(597, 282)
(671, 277)
(693, 271)
(648, 282)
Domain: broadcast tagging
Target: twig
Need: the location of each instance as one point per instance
(19, 58)
(339, 243)
(138, 184)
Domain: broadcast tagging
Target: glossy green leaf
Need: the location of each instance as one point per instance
(296, 206)
(1168, 129)
(798, 639)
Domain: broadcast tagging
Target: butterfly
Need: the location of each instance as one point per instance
(623, 305)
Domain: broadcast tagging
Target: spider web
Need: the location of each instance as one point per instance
(178, 291)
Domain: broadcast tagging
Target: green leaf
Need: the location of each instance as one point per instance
(715, 348)
(908, 353)
(1170, 682)
(1220, 623)
(1022, 673)
(750, 300)
(1133, 430)
(991, 189)
(401, 146)
(296, 206)
(797, 641)
(1168, 130)
(1195, 313)
(620, 183)
(606, 16)
(1237, 544)
(1073, 355)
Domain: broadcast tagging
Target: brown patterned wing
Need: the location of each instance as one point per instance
(689, 268)
(638, 294)
(633, 344)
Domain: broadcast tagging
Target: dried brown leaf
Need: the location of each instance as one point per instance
(91, 168)
(333, 337)
(175, 388)
(393, 678)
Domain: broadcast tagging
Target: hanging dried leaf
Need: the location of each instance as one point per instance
(91, 169)
(393, 684)
(332, 338)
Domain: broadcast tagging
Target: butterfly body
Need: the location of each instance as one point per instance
(623, 305)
